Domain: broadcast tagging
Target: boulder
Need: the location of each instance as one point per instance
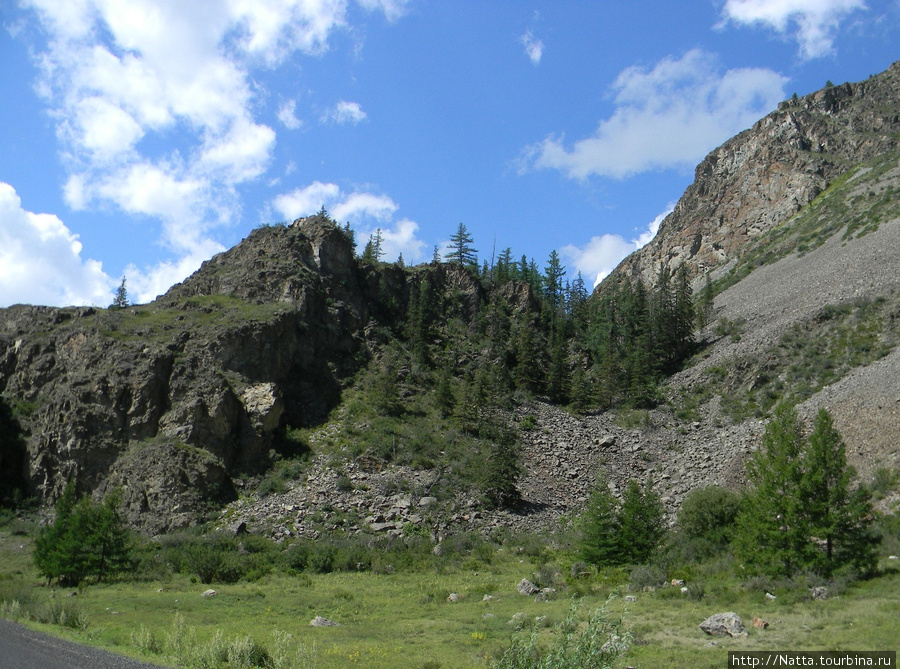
(526, 587)
(724, 624)
(819, 592)
(319, 621)
(209, 593)
(545, 595)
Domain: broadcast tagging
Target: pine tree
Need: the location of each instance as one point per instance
(801, 491)
(121, 299)
(504, 269)
(683, 318)
(85, 540)
(772, 533)
(705, 308)
(554, 273)
(640, 523)
(461, 250)
(599, 528)
(839, 516)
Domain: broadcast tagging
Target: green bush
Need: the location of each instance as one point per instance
(705, 525)
(593, 644)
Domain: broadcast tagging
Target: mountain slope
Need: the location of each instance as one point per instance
(763, 176)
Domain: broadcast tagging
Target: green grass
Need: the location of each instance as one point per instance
(404, 619)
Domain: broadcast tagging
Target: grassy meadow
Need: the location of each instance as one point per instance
(405, 619)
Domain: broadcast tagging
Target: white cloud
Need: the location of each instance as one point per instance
(666, 117)
(379, 207)
(273, 28)
(366, 212)
(815, 22)
(393, 9)
(345, 112)
(287, 114)
(118, 73)
(534, 48)
(40, 260)
(306, 201)
(601, 255)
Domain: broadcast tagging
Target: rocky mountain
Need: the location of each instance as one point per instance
(182, 401)
(764, 176)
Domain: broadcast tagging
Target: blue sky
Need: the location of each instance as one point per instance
(140, 137)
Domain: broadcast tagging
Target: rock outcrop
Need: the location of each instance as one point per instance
(168, 400)
(763, 176)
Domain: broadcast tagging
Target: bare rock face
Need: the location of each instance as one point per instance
(764, 175)
(168, 400)
(163, 485)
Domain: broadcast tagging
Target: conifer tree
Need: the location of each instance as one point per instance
(772, 533)
(705, 308)
(839, 516)
(554, 273)
(461, 250)
(86, 539)
(504, 269)
(640, 523)
(121, 299)
(683, 318)
(599, 528)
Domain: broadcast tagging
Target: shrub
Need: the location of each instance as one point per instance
(594, 644)
(709, 513)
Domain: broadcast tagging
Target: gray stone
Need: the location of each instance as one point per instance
(819, 592)
(526, 587)
(724, 624)
(209, 593)
(319, 621)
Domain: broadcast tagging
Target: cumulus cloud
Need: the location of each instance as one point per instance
(669, 116)
(287, 114)
(41, 262)
(306, 201)
(345, 112)
(366, 212)
(813, 22)
(534, 48)
(602, 254)
(117, 74)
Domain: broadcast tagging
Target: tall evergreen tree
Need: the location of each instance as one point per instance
(504, 269)
(121, 299)
(641, 525)
(85, 539)
(772, 532)
(599, 528)
(705, 308)
(554, 273)
(683, 318)
(839, 515)
(461, 251)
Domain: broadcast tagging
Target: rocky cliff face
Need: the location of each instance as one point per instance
(763, 176)
(169, 399)
(172, 399)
